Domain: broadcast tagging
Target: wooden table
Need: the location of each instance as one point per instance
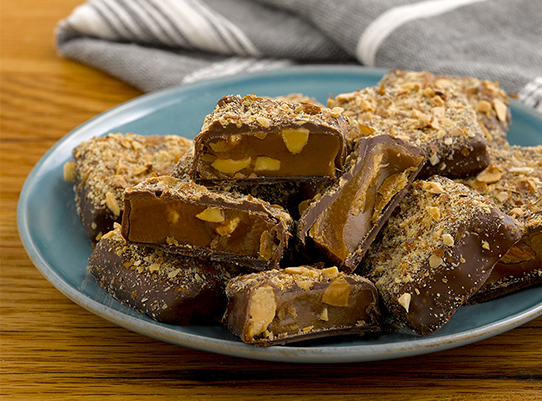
(53, 349)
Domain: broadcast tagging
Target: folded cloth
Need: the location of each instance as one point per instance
(153, 44)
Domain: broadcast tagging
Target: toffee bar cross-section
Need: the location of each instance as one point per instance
(189, 219)
(300, 303)
(436, 252)
(342, 222)
(288, 194)
(168, 288)
(254, 138)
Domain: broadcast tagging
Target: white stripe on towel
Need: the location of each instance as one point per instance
(531, 94)
(386, 23)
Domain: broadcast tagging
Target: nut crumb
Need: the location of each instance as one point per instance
(112, 204)
(404, 300)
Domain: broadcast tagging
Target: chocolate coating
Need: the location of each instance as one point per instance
(253, 138)
(520, 268)
(168, 288)
(424, 111)
(513, 181)
(436, 252)
(189, 219)
(300, 303)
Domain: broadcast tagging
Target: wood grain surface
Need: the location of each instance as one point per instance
(53, 349)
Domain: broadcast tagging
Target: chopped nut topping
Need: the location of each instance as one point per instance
(264, 122)
(447, 240)
(433, 187)
(435, 261)
(404, 301)
(366, 130)
(173, 273)
(70, 172)
(491, 174)
(501, 109)
(502, 196)
(484, 106)
(305, 284)
(330, 272)
(434, 212)
(112, 204)
(155, 267)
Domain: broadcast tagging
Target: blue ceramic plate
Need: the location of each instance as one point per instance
(57, 243)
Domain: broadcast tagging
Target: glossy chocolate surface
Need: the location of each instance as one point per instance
(186, 218)
(425, 111)
(436, 252)
(299, 303)
(520, 267)
(168, 288)
(344, 220)
(513, 181)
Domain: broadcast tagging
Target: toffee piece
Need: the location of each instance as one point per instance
(342, 222)
(490, 102)
(513, 181)
(424, 112)
(104, 167)
(187, 218)
(436, 252)
(298, 303)
(168, 288)
(252, 138)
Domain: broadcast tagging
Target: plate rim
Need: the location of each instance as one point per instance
(167, 333)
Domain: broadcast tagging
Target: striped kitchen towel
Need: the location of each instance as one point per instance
(153, 44)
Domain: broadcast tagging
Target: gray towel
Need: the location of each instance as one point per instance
(153, 44)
